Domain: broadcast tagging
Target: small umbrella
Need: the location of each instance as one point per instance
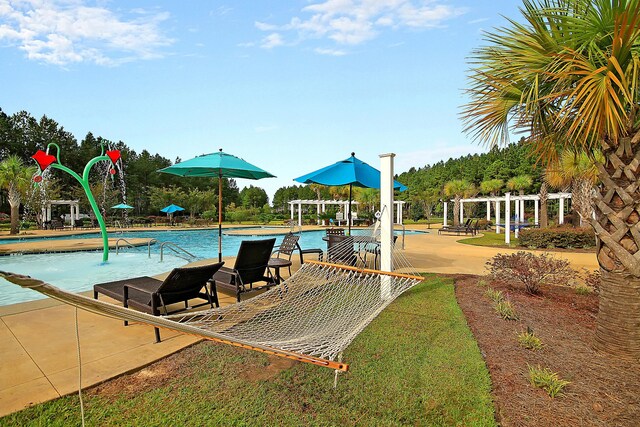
(171, 209)
(351, 171)
(220, 165)
(122, 206)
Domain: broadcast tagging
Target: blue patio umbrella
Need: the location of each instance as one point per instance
(218, 165)
(351, 171)
(122, 206)
(171, 209)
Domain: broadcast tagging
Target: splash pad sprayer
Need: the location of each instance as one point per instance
(45, 160)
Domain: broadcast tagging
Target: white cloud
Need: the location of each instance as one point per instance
(271, 41)
(477, 21)
(66, 31)
(332, 52)
(353, 22)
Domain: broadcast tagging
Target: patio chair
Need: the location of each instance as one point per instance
(153, 296)
(456, 228)
(340, 249)
(251, 266)
(290, 244)
(375, 250)
(335, 231)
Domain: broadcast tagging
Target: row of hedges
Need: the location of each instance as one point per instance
(559, 237)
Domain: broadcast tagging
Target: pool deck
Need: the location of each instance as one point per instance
(39, 357)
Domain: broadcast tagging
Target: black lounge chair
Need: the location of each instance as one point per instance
(251, 266)
(458, 229)
(153, 296)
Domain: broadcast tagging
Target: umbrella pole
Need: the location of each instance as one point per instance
(349, 211)
(220, 217)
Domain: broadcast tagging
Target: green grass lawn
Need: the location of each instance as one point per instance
(417, 363)
(490, 238)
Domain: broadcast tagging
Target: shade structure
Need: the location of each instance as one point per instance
(171, 209)
(217, 165)
(351, 171)
(122, 206)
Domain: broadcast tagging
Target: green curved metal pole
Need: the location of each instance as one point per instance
(84, 182)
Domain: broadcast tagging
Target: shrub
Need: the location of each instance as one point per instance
(583, 290)
(559, 237)
(547, 380)
(530, 270)
(493, 295)
(529, 340)
(506, 310)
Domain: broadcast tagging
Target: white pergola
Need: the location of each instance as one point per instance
(518, 202)
(74, 209)
(321, 206)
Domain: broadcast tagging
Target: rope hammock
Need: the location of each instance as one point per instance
(310, 317)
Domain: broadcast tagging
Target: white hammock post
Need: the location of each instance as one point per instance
(386, 222)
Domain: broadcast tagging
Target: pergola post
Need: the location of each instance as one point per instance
(517, 218)
(488, 210)
(561, 211)
(535, 211)
(507, 218)
(292, 207)
(72, 214)
(497, 216)
(461, 212)
(300, 214)
(318, 216)
(444, 221)
(324, 210)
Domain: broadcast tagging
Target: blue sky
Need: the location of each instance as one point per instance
(290, 86)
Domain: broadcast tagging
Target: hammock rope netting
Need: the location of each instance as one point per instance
(312, 316)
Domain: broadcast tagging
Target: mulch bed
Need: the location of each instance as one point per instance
(603, 390)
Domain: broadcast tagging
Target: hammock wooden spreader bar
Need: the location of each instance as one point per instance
(365, 270)
(122, 313)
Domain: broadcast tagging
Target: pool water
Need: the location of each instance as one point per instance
(79, 271)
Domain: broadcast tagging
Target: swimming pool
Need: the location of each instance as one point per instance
(78, 271)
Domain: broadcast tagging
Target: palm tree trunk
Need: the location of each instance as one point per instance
(14, 202)
(544, 213)
(617, 224)
(456, 210)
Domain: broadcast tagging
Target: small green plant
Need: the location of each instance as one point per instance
(494, 295)
(529, 340)
(583, 290)
(482, 283)
(506, 310)
(547, 380)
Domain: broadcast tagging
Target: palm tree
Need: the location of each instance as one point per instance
(568, 74)
(15, 177)
(520, 183)
(581, 170)
(491, 186)
(458, 188)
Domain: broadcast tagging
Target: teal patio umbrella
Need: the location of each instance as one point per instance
(217, 165)
(351, 171)
(171, 209)
(122, 206)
